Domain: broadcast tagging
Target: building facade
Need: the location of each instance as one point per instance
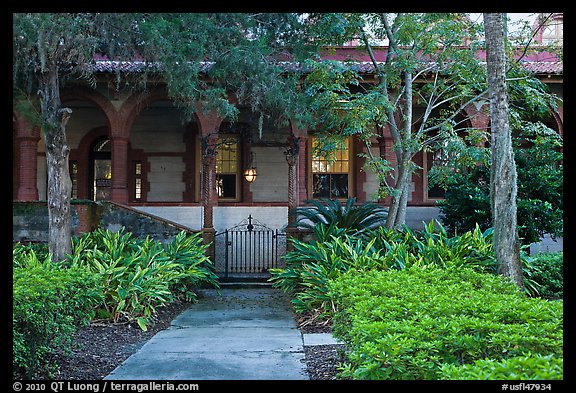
(134, 149)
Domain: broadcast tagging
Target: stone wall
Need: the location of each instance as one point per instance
(139, 223)
(30, 221)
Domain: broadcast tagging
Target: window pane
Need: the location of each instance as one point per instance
(338, 162)
(74, 178)
(321, 186)
(316, 166)
(227, 156)
(138, 191)
(226, 185)
(339, 186)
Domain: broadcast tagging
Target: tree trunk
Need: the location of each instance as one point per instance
(397, 212)
(59, 190)
(503, 188)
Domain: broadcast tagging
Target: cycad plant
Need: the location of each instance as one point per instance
(331, 212)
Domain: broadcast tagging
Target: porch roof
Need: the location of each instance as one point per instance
(109, 66)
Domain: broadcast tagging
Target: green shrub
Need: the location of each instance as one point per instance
(549, 274)
(189, 252)
(49, 304)
(406, 324)
(532, 367)
(433, 247)
(310, 265)
(30, 255)
(139, 275)
(539, 165)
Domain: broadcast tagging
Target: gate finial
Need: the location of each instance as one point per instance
(250, 226)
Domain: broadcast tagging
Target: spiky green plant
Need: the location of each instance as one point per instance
(358, 218)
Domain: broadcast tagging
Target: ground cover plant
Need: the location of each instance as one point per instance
(110, 276)
(425, 323)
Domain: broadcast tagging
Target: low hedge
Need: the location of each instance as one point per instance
(407, 324)
(532, 367)
(549, 274)
(49, 305)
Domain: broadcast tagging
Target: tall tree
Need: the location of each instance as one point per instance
(503, 177)
(47, 50)
(425, 80)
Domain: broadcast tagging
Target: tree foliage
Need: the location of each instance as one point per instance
(540, 185)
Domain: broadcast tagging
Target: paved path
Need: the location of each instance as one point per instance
(244, 333)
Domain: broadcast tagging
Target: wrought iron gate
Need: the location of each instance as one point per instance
(249, 247)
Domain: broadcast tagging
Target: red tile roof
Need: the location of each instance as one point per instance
(106, 66)
(544, 67)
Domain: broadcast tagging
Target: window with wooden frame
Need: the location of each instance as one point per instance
(74, 178)
(228, 168)
(331, 172)
(137, 185)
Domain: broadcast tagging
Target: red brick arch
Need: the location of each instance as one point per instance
(132, 107)
(87, 94)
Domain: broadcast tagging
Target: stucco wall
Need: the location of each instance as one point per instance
(166, 179)
(271, 185)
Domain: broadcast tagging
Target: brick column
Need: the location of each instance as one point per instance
(26, 148)
(302, 169)
(291, 154)
(119, 191)
(209, 197)
(301, 138)
(208, 125)
(297, 191)
(356, 148)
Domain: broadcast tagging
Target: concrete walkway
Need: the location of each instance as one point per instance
(243, 333)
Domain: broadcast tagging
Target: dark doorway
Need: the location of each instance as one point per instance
(100, 170)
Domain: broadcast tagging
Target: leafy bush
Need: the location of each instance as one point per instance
(140, 275)
(49, 304)
(359, 218)
(310, 265)
(30, 255)
(531, 367)
(407, 324)
(433, 247)
(549, 274)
